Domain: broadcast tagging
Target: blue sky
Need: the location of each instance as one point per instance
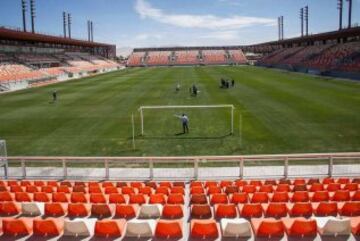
(154, 23)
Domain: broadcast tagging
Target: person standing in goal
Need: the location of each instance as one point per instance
(185, 122)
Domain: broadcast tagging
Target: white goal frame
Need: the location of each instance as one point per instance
(142, 108)
(3, 157)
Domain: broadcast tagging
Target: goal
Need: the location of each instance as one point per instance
(199, 109)
(3, 157)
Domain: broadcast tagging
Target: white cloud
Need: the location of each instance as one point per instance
(221, 35)
(145, 10)
(148, 36)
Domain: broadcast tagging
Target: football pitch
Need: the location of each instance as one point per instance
(276, 112)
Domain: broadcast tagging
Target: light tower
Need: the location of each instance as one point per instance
(32, 13)
(302, 21)
(64, 23)
(340, 7)
(306, 15)
(350, 13)
(23, 6)
(69, 24)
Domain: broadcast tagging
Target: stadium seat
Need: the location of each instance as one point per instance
(343, 180)
(79, 197)
(249, 188)
(320, 196)
(235, 228)
(312, 181)
(198, 199)
(79, 227)
(108, 184)
(97, 198)
(349, 209)
(17, 227)
(109, 190)
(300, 227)
(150, 211)
(355, 225)
(47, 189)
(271, 182)
(211, 184)
(140, 228)
(356, 196)
(109, 227)
(172, 211)
(341, 196)
(197, 190)
(333, 226)
(231, 189)
(102, 210)
(60, 197)
(195, 184)
(95, 189)
(169, 229)
(137, 199)
(259, 197)
(33, 189)
(48, 227)
(32, 208)
(179, 184)
(166, 184)
(300, 196)
(214, 190)
(280, 197)
(204, 229)
(200, 211)
(42, 197)
(315, 187)
(325, 209)
(9, 208)
(64, 189)
(226, 183)
(225, 211)
(55, 209)
(268, 227)
(239, 197)
(126, 210)
(14, 189)
(78, 209)
(136, 185)
(116, 198)
(268, 188)
(332, 187)
(158, 198)
(218, 198)
(175, 198)
(162, 190)
(299, 187)
(127, 190)
(146, 190)
(351, 187)
(299, 181)
(121, 184)
(177, 190)
(275, 210)
(283, 187)
(300, 209)
(6, 196)
(80, 189)
(250, 210)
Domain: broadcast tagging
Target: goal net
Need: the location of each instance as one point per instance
(204, 120)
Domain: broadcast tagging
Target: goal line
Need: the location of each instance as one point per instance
(142, 108)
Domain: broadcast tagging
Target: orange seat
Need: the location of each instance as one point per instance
(300, 227)
(349, 209)
(137, 199)
(300, 196)
(169, 229)
(198, 199)
(250, 210)
(224, 183)
(108, 184)
(39, 183)
(158, 198)
(175, 198)
(259, 197)
(32, 189)
(116, 198)
(239, 197)
(6, 196)
(201, 211)
(355, 225)
(127, 190)
(343, 180)
(197, 190)
(145, 190)
(280, 197)
(211, 184)
(48, 227)
(79, 197)
(126, 210)
(249, 188)
(320, 196)
(16, 189)
(111, 189)
(47, 189)
(121, 184)
(299, 187)
(109, 228)
(165, 184)
(55, 209)
(17, 227)
(101, 210)
(356, 196)
(325, 209)
(23, 197)
(136, 185)
(328, 180)
(204, 229)
(163, 190)
(42, 197)
(299, 181)
(195, 184)
(9, 208)
(268, 188)
(172, 211)
(95, 189)
(218, 198)
(60, 197)
(332, 187)
(225, 211)
(300, 209)
(64, 189)
(315, 187)
(78, 209)
(97, 198)
(275, 210)
(177, 190)
(231, 189)
(214, 190)
(341, 196)
(268, 227)
(283, 187)
(351, 187)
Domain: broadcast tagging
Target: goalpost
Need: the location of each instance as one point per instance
(3, 157)
(142, 108)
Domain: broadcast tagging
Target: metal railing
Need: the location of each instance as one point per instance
(333, 163)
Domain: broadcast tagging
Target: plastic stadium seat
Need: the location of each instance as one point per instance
(17, 227)
(177, 190)
(249, 188)
(241, 183)
(47, 189)
(355, 225)
(300, 227)
(79, 227)
(52, 183)
(137, 199)
(163, 190)
(126, 210)
(200, 211)
(97, 198)
(299, 181)
(257, 183)
(109, 228)
(23, 197)
(175, 199)
(127, 190)
(78, 188)
(150, 211)
(349, 209)
(268, 227)
(140, 228)
(272, 182)
(55, 209)
(64, 189)
(60, 197)
(32, 208)
(325, 209)
(341, 196)
(165, 184)
(284, 181)
(300, 209)
(320, 196)
(79, 183)
(283, 188)
(102, 210)
(234, 228)
(239, 197)
(231, 189)
(225, 211)
(204, 229)
(108, 190)
(6, 196)
(146, 190)
(32, 189)
(328, 180)
(158, 198)
(211, 184)
(198, 199)
(356, 196)
(93, 184)
(299, 187)
(343, 180)
(214, 190)
(16, 189)
(280, 197)
(42, 197)
(268, 188)
(332, 187)
(226, 183)
(95, 189)
(12, 183)
(275, 210)
(25, 183)
(259, 197)
(301, 196)
(108, 184)
(79, 197)
(116, 198)
(39, 183)
(48, 227)
(9, 208)
(351, 187)
(136, 185)
(312, 181)
(66, 183)
(179, 184)
(121, 184)
(195, 184)
(218, 198)
(197, 190)
(172, 211)
(356, 180)
(333, 226)
(250, 210)
(78, 209)
(315, 187)
(169, 229)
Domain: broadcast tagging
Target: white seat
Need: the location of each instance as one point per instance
(237, 227)
(140, 228)
(79, 227)
(32, 208)
(333, 226)
(150, 211)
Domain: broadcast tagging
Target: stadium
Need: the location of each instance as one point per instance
(180, 120)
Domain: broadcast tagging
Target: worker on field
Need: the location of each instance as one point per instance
(185, 122)
(54, 95)
(194, 90)
(178, 87)
(232, 82)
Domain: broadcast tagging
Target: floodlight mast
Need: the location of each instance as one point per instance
(23, 6)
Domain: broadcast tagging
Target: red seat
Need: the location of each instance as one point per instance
(279, 197)
(341, 196)
(200, 211)
(136, 184)
(52, 183)
(299, 181)
(214, 190)
(60, 197)
(316, 187)
(17, 227)
(158, 198)
(267, 227)
(109, 228)
(197, 190)
(127, 190)
(66, 183)
(332, 187)
(268, 188)
(275, 210)
(343, 180)
(109, 190)
(349, 209)
(270, 182)
(257, 183)
(126, 210)
(218, 198)
(241, 183)
(121, 184)
(312, 181)
(320, 196)
(102, 210)
(23, 197)
(48, 227)
(179, 184)
(351, 187)
(79, 197)
(169, 229)
(355, 225)
(177, 190)
(300, 227)
(146, 190)
(225, 211)
(9, 208)
(325, 209)
(259, 197)
(78, 209)
(285, 181)
(204, 229)
(64, 189)
(300, 209)
(97, 198)
(356, 196)
(283, 188)
(172, 211)
(231, 189)
(47, 189)
(108, 184)
(198, 199)
(42, 197)
(151, 184)
(249, 188)
(195, 184)
(116, 198)
(250, 210)
(239, 197)
(163, 190)
(137, 199)
(17, 189)
(6, 196)
(225, 183)
(300, 196)
(165, 184)
(175, 199)
(32, 189)
(299, 187)
(39, 183)
(95, 189)
(211, 184)
(55, 209)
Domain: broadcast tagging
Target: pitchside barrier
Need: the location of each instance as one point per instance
(186, 168)
(3, 157)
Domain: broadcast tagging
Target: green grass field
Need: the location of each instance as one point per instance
(281, 112)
